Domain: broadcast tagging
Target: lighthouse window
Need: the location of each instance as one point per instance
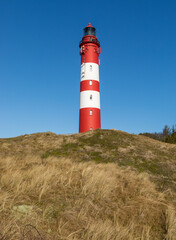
(91, 97)
(89, 31)
(90, 82)
(82, 75)
(91, 68)
(91, 112)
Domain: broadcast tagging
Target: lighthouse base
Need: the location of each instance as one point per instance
(89, 119)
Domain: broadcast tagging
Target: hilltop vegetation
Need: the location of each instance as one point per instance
(99, 185)
(168, 134)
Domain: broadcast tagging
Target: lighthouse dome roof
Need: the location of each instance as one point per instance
(89, 30)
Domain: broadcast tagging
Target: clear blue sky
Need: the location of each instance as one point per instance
(40, 64)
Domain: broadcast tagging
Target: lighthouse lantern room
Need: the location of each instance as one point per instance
(89, 115)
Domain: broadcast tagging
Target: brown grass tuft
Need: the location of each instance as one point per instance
(63, 199)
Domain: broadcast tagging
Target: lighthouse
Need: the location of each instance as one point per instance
(89, 114)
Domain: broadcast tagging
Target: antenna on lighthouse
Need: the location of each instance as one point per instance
(89, 115)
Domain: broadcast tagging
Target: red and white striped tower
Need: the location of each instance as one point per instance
(89, 116)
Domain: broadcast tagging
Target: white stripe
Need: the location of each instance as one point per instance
(89, 71)
(87, 102)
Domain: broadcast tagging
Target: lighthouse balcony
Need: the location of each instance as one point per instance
(89, 40)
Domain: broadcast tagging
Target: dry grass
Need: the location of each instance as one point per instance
(67, 200)
(51, 187)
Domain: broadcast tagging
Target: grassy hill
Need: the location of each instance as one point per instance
(98, 185)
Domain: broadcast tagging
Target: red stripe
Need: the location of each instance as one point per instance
(91, 54)
(87, 121)
(85, 85)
